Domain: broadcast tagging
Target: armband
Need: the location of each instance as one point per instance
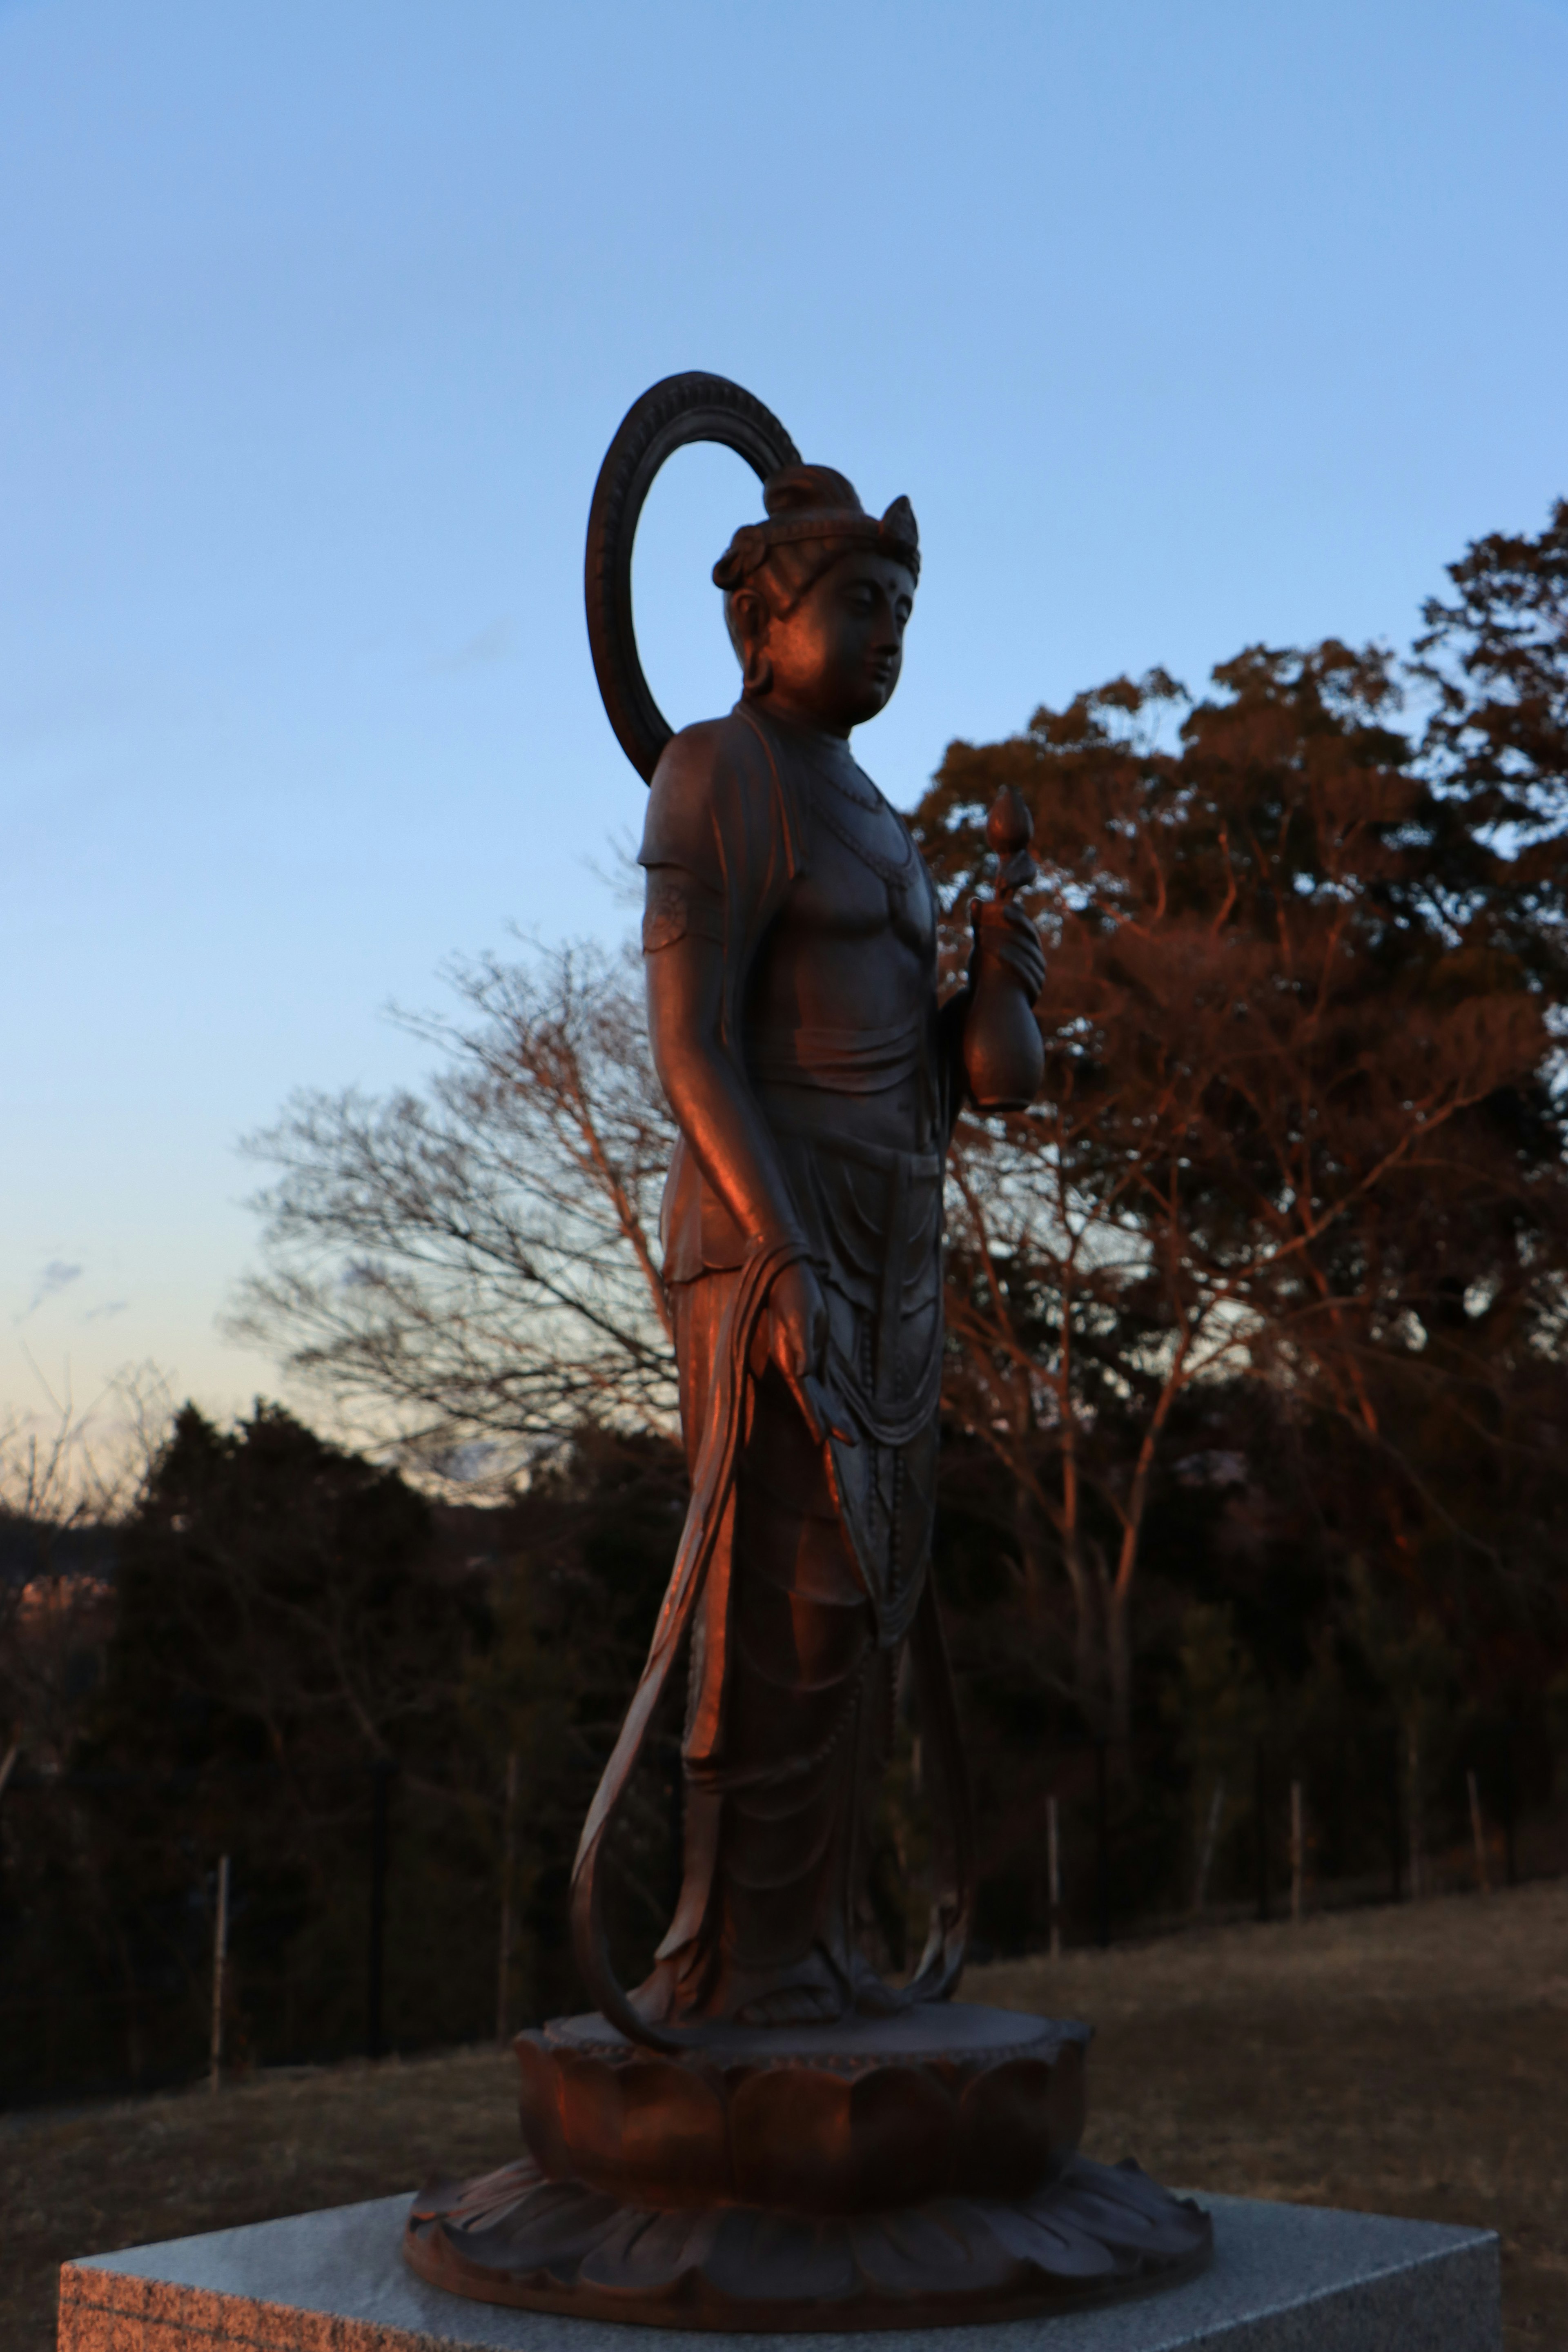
(675, 907)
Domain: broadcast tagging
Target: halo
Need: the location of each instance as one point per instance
(672, 413)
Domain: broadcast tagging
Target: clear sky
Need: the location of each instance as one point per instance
(1181, 327)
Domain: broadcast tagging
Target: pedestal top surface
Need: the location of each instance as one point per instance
(958, 2029)
(1286, 2278)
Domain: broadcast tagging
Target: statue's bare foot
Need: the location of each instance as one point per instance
(873, 1998)
(795, 2004)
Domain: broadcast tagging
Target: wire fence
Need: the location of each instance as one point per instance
(360, 1918)
(375, 1913)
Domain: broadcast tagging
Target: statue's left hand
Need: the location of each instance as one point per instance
(1007, 935)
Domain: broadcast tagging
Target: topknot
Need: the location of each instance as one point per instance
(814, 506)
(797, 491)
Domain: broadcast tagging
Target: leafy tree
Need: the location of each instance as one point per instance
(1280, 1114)
(273, 1607)
(1496, 659)
(289, 1625)
(1218, 1707)
(589, 1544)
(59, 1501)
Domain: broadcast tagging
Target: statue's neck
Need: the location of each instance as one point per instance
(827, 752)
(795, 720)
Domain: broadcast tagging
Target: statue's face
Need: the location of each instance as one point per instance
(835, 658)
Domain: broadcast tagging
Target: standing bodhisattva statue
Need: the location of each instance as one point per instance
(764, 2084)
(790, 940)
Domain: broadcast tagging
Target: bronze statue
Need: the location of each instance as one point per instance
(763, 2071)
(790, 937)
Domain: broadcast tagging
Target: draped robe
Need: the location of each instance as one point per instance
(803, 1569)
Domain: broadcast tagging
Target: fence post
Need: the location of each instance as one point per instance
(1102, 1840)
(1417, 1817)
(1479, 1832)
(220, 1954)
(1260, 1807)
(1509, 1814)
(1206, 1851)
(380, 1785)
(1395, 1827)
(1054, 1874)
(1298, 1853)
(503, 1975)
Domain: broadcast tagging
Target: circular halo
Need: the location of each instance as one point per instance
(670, 415)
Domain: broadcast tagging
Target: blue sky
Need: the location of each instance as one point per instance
(1181, 327)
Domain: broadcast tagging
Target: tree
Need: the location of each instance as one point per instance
(480, 1262)
(66, 1479)
(1301, 1128)
(1275, 1097)
(275, 1605)
(1496, 660)
(585, 1557)
(295, 1643)
(289, 1653)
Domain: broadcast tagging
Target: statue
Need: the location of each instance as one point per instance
(763, 2080)
(790, 938)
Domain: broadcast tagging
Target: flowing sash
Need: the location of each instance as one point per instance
(712, 1491)
(712, 1485)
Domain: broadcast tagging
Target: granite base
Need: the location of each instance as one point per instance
(1285, 2278)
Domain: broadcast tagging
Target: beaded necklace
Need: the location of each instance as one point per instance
(896, 875)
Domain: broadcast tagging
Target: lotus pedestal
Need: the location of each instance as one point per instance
(888, 2172)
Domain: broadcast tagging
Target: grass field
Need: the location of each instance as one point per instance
(1410, 2061)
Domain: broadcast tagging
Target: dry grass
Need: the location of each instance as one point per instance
(1411, 2061)
(1406, 2062)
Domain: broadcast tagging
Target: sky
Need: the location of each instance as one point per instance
(1181, 327)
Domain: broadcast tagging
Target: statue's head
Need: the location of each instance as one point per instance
(816, 598)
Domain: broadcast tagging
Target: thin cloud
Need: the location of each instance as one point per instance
(492, 645)
(56, 1276)
(112, 1307)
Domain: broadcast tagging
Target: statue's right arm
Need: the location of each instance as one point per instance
(713, 1106)
(684, 960)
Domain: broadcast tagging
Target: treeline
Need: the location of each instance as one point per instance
(296, 1642)
(1256, 1395)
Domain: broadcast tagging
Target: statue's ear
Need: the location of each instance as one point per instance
(750, 618)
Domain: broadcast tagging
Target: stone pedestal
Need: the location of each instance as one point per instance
(1284, 2278)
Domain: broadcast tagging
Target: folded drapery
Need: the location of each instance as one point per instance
(803, 1572)
(840, 1061)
